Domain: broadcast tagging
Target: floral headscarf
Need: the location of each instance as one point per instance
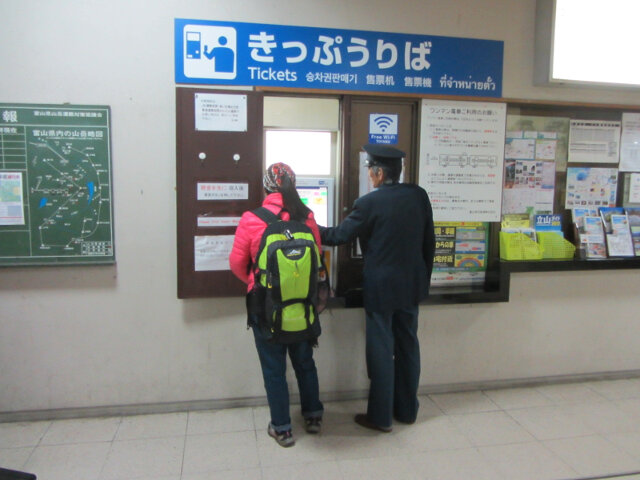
(272, 180)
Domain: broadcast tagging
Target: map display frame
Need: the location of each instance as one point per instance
(56, 195)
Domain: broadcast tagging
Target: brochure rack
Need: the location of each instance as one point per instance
(517, 246)
(555, 246)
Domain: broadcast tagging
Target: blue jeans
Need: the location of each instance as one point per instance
(273, 360)
(393, 365)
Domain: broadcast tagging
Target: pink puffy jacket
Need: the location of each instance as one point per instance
(248, 236)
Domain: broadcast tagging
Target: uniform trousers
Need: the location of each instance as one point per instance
(273, 360)
(393, 366)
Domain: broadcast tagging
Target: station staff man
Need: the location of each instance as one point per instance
(394, 224)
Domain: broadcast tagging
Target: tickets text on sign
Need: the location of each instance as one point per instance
(256, 54)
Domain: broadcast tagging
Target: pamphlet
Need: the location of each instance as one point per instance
(619, 243)
(578, 214)
(633, 214)
(606, 213)
(548, 223)
(518, 223)
(593, 238)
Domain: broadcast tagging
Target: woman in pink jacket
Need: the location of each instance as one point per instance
(282, 199)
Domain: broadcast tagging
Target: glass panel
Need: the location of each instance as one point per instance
(308, 153)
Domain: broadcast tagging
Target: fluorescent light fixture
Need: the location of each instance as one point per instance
(587, 41)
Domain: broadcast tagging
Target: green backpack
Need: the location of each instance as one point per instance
(287, 269)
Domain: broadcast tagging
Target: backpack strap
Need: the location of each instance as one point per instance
(266, 215)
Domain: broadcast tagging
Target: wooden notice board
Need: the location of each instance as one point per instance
(219, 176)
(56, 203)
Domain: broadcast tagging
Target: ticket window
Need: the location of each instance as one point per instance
(303, 132)
(306, 152)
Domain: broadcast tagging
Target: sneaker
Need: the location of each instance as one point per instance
(284, 439)
(313, 424)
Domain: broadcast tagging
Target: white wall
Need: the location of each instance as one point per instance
(103, 336)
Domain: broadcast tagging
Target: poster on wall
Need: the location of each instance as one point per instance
(591, 187)
(56, 196)
(535, 149)
(211, 252)
(220, 112)
(462, 159)
(630, 143)
(631, 190)
(461, 253)
(594, 141)
(249, 54)
(528, 186)
(548, 137)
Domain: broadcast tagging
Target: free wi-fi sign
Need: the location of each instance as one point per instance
(383, 128)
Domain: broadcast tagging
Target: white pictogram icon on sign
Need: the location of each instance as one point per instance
(210, 52)
(383, 123)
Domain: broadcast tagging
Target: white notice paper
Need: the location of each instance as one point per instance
(204, 221)
(634, 188)
(211, 252)
(462, 159)
(630, 143)
(221, 112)
(594, 141)
(223, 191)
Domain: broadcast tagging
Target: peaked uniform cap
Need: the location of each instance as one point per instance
(382, 155)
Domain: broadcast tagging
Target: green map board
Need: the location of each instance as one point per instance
(55, 185)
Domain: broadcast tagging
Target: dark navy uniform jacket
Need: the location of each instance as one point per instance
(395, 226)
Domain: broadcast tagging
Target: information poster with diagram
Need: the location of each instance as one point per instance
(461, 159)
(55, 185)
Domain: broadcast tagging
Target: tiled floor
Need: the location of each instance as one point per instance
(569, 431)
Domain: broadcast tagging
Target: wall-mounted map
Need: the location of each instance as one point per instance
(55, 185)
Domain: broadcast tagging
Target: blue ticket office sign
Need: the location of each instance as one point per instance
(250, 54)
